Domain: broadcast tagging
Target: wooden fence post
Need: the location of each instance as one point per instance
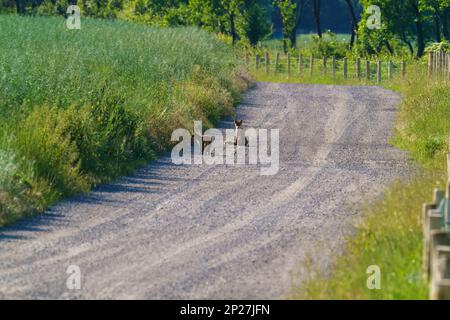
(333, 67)
(277, 61)
(440, 258)
(430, 63)
(448, 66)
(257, 62)
(446, 207)
(436, 225)
(368, 70)
(358, 68)
(440, 282)
(432, 220)
(444, 64)
(390, 70)
(379, 71)
(267, 61)
(345, 68)
(436, 59)
(403, 69)
(311, 65)
(436, 63)
(448, 161)
(300, 65)
(324, 66)
(288, 65)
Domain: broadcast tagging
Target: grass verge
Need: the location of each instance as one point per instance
(390, 235)
(81, 107)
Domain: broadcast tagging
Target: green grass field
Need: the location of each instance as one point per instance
(321, 74)
(80, 107)
(304, 41)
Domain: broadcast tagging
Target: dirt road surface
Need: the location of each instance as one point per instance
(203, 232)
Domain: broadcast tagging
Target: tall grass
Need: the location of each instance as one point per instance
(80, 107)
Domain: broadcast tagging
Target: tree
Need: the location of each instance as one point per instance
(440, 11)
(351, 7)
(417, 8)
(291, 13)
(230, 10)
(254, 24)
(372, 41)
(287, 10)
(300, 8)
(238, 18)
(21, 6)
(401, 19)
(316, 11)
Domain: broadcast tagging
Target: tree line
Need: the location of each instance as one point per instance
(406, 24)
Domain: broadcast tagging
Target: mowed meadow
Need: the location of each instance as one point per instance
(81, 107)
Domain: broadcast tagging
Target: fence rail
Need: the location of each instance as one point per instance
(301, 66)
(436, 231)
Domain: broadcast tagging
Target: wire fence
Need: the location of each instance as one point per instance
(436, 231)
(439, 64)
(302, 67)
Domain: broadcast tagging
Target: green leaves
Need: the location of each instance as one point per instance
(288, 13)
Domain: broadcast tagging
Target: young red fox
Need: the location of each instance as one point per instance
(239, 135)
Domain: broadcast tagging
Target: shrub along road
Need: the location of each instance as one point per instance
(219, 231)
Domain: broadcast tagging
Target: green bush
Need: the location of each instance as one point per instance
(439, 46)
(327, 46)
(424, 129)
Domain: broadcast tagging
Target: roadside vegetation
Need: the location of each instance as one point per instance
(81, 107)
(390, 235)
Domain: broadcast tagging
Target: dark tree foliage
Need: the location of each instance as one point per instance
(405, 23)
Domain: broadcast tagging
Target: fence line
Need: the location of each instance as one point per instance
(436, 232)
(287, 64)
(439, 64)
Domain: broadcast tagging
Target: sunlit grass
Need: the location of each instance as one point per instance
(390, 235)
(80, 107)
(423, 126)
(304, 41)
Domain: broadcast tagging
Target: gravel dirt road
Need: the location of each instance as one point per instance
(222, 231)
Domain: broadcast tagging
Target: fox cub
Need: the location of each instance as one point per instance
(239, 137)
